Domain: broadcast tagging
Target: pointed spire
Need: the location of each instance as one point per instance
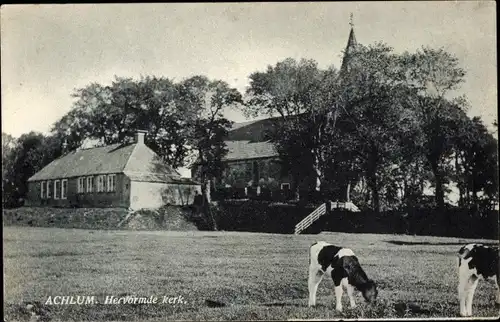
(351, 44)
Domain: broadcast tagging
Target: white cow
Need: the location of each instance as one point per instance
(475, 262)
(343, 266)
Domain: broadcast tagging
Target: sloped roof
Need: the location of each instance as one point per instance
(107, 159)
(240, 150)
(251, 139)
(236, 126)
(256, 130)
(136, 160)
(145, 165)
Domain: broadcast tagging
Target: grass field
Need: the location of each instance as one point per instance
(256, 276)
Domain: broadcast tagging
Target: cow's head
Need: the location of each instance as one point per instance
(465, 251)
(369, 291)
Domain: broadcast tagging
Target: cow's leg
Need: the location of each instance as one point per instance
(337, 282)
(470, 288)
(350, 292)
(462, 283)
(315, 276)
(464, 274)
(338, 297)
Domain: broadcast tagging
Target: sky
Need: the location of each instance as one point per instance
(48, 51)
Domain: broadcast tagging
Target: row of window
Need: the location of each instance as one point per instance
(60, 189)
(105, 183)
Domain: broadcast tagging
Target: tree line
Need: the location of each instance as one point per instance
(385, 123)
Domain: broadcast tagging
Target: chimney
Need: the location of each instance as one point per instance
(139, 136)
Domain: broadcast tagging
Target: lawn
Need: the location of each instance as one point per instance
(251, 276)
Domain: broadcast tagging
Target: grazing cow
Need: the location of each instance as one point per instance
(343, 266)
(475, 262)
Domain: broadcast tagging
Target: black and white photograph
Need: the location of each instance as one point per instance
(248, 161)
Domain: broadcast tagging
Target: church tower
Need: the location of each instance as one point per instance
(351, 46)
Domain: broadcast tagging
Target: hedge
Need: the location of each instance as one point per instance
(269, 217)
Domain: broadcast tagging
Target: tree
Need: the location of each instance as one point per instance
(303, 98)
(433, 74)
(111, 114)
(476, 162)
(344, 168)
(373, 102)
(8, 175)
(30, 154)
(293, 145)
(8, 143)
(206, 101)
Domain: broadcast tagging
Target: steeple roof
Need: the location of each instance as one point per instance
(351, 45)
(351, 42)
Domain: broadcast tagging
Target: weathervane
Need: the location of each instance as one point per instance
(350, 22)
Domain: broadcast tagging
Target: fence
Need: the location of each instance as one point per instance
(310, 219)
(252, 193)
(267, 194)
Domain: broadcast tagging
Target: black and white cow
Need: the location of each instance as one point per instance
(475, 262)
(343, 266)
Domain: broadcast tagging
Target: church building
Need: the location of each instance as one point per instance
(252, 163)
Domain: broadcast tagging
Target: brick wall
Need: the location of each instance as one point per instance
(118, 198)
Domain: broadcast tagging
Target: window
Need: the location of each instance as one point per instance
(111, 186)
(57, 184)
(42, 189)
(90, 184)
(64, 189)
(81, 185)
(100, 183)
(285, 186)
(49, 190)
